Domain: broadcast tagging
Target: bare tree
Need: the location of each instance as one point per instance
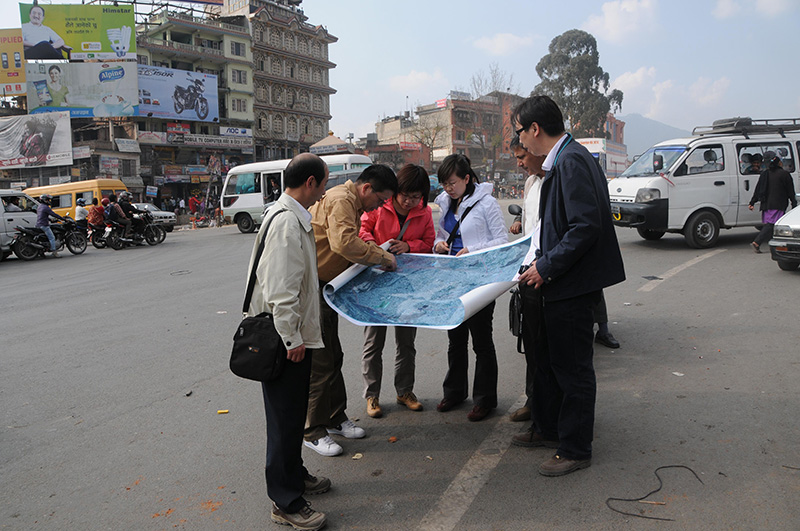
(497, 80)
(427, 131)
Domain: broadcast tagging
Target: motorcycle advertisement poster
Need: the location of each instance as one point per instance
(177, 94)
(78, 32)
(28, 140)
(83, 89)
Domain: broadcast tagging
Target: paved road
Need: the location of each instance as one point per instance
(115, 365)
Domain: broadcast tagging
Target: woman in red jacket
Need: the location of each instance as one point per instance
(406, 223)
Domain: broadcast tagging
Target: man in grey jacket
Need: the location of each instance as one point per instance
(287, 287)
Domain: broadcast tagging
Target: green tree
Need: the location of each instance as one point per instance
(572, 76)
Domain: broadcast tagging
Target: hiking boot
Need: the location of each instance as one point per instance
(410, 401)
(373, 407)
(306, 519)
(348, 430)
(560, 466)
(316, 485)
(521, 415)
(324, 446)
(532, 439)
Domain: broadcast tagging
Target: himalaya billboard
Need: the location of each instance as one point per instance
(83, 89)
(177, 94)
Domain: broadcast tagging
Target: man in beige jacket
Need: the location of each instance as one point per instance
(336, 220)
(287, 287)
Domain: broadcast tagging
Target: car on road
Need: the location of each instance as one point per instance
(785, 243)
(160, 217)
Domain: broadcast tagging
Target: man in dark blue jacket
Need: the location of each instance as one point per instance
(578, 256)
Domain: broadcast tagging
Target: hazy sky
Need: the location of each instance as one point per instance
(682, 62)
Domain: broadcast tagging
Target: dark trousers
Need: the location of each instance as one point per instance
(531, 320)
(43, 50)
(565, 388)
(484, 385)
(600, 311)
(765, 234)
(285, 403)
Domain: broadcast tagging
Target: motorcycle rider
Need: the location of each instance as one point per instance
(138, 224)
(115, 213)
(43, 215)
(81, 213)
(96, 213)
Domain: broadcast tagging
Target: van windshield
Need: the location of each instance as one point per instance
(644, 165)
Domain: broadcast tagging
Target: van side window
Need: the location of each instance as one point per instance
(105, 193)
(87, 196)
(752, 156)
(706, 159)
(62, 201)
(244, 183)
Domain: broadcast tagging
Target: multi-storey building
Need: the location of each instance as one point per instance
(220, 46)
(291, 66)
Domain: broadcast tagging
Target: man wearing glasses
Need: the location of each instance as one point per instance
(336, 219)
(578, 256)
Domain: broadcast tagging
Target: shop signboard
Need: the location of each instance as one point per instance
(151, 191)
(152, 137)
(195, 169)
(12, 74)
(172, 169)
(127, 145)
(78, 32)
(81, 152)
(177, 94)
(84, 89)
(109, 165)
(236, 131)
(29, 140)
(173, 127)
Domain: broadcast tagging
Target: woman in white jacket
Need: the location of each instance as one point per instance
(470, 220)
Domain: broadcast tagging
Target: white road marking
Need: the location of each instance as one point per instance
(677, 269)
(448, 511)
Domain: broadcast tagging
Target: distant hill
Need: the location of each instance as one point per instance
(641, 133)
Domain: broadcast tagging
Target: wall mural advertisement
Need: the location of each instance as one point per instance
(12, 75)
(83, 89)
(78, 32)
(177, 94)
(35, 141)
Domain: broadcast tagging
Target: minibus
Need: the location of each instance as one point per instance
(65, 195)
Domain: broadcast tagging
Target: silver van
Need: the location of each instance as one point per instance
(16, 210)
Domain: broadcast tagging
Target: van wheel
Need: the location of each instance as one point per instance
(245, 224)
(788, 266)
(5, 255)
(702, 230)
(651, 235)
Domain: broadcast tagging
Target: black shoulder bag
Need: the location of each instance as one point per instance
(258, 352)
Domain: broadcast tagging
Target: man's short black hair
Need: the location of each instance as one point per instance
(514, 143)
(112, 198)
(301, 167)
(542, 110)
(380, 177)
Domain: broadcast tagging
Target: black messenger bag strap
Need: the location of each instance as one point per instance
(403, 230)
(251, 283)
(454, 232)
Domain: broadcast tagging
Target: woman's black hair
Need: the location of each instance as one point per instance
(460, 166)
(412, 179)
(54, 67)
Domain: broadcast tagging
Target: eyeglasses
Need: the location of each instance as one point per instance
(521, 130)
(416, 198)
(449, 185)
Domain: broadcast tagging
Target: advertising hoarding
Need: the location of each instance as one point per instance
(78, 32)
(177, 94)
(12, 74)
(83, 89)
(35, 141)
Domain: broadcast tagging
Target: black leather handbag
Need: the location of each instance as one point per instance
(258, 351)
(515, 317)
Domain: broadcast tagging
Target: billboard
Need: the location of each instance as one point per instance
(78, 32)
(177, 94)
(12, 75)
(35, 141)
(83, 89)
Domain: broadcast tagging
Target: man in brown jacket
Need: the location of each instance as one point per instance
(336, 219)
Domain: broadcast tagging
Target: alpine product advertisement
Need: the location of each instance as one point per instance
(78, 32)
(177, 94)
(83, 89)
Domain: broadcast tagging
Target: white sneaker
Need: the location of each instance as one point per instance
(324, 446)
(349, 430)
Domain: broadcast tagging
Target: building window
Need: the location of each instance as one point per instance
(275, 39)
(239, 76)
(238, 105)
(276, 67)
(261, 65)
(277, 125)
(303, 47)
(317, 76)
(317, 104)
(142, 59)
(460, 136)
(262, 123)
(237, 48)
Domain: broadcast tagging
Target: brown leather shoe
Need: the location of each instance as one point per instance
(521, 415)
(560, 466)
(447, 404)
(373, 407)
(410, 401)
(306, 519)
(478, 413)
(531, 439)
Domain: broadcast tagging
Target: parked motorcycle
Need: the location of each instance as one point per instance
(30, 243)
(191, 97)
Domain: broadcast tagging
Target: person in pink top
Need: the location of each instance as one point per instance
(406, 223)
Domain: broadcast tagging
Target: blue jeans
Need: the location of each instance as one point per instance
(49, 233)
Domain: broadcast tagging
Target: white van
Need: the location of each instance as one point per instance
(696, 186)
(17, 209)
(248, 193)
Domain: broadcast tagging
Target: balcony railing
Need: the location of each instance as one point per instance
(180, 47)
(160, 18)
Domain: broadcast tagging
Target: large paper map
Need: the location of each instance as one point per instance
(430, 291)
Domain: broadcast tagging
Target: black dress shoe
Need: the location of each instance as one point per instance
(606, 339)
(447, 404)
